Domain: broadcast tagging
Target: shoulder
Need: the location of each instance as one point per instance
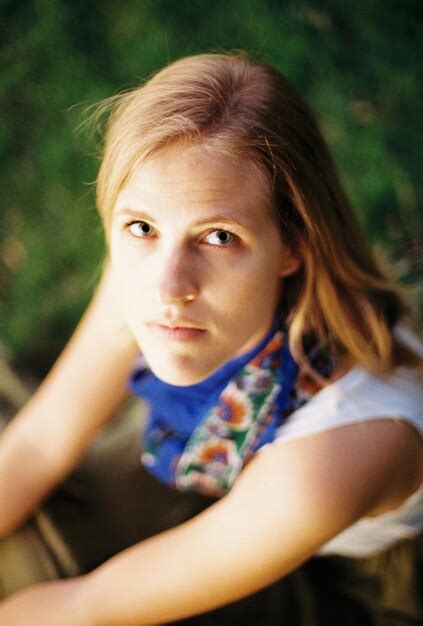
(353, 451)
(365, 432)
(359, 396)
(349, 472)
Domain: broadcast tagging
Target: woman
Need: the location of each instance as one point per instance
(279, 372)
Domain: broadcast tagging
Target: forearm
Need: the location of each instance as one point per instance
(57, 603)
(182, 572)
(278, 514)
(84, 389)
(26, 477)
(192, 569)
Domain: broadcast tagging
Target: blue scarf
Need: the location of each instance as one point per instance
(199, 437)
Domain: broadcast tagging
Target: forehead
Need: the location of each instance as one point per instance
(192, 177)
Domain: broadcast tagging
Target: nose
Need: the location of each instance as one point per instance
(178, 281)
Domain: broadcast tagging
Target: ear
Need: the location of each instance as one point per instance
(291, 263)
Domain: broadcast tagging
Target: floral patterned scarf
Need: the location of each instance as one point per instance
(198, 438)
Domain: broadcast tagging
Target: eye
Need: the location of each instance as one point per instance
(140, 229)
(221, 238)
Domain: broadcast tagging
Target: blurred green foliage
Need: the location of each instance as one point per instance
(355, 62)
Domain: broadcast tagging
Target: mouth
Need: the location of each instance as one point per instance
(178, 330)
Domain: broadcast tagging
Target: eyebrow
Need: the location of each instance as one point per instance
(224, 217)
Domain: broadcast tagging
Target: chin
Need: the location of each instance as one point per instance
(179, 378)
(183, 373)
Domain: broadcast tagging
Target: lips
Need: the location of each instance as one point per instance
(177, 330)
(176, 324)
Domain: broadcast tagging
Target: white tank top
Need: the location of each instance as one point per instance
(356, 397)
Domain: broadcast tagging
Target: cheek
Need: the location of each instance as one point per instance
(250, 290)
(129, 280)
(125, 260)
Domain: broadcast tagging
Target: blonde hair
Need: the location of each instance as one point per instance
(230, 104)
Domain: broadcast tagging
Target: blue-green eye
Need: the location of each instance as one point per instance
(221, 237)
(140, 229)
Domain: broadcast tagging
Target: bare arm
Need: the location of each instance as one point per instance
(84, 389)
(289, 500)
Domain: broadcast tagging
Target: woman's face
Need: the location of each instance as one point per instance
(199, 261)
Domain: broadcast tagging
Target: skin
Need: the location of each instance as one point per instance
(268, 532)
(293, 496)
(193, 238)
